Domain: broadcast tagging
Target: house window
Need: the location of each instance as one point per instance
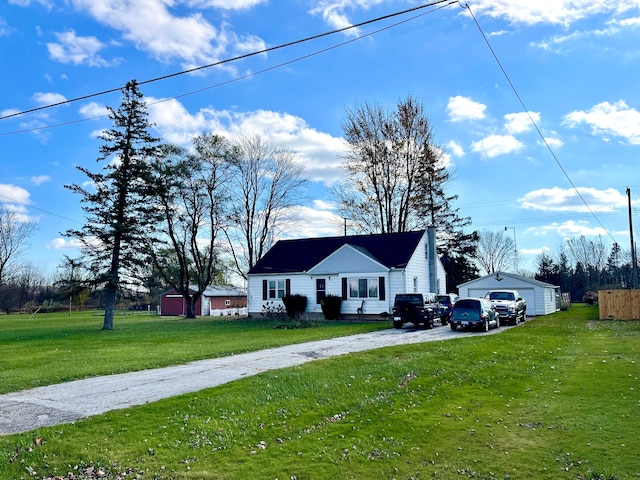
(227, 302)
(321, 289)
(276, 288)
(363, 288)
(415, 284)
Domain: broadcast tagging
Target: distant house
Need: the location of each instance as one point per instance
(216, 300)
(542, 298)
(365, 270)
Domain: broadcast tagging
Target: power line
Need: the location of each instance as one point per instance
(515, 91)
(244, 77)
(240, 57)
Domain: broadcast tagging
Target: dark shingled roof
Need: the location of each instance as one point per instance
(289, 256)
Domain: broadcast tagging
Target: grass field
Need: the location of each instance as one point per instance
(557, 398)
(54, 348)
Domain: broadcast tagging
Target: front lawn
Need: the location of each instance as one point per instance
(54, 348)
(556, 398)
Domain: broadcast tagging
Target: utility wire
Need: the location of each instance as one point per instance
(515, 91)
(288, 62)
(233, 59)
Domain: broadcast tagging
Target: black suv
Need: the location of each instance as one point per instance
(416, 308)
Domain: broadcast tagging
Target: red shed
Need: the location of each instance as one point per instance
(215, 300)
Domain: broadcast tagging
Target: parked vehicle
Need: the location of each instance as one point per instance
(447, 300)
(415, 308)
(510, 306)
(474, 313)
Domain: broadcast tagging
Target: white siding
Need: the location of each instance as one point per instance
(348, 262)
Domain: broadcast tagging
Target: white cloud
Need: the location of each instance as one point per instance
(26, 3)
(64, 244)
(321, 152)
(77, 50)
(48, 98)
(462, 108)
(553, 142)
(520, 122)
(13, 194)
(5, 29)
(151, 27)
(333, 13)
(605, 118)
(562, 12)
(495, 145)
(226, 4)
(318, 220)
(567, 200)
(9, 111)
(93, 110)
(456, 149)
(40, 179)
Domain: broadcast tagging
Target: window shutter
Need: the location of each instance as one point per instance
(265, 290)
(287, 287)
(381, 293)
(344, 288)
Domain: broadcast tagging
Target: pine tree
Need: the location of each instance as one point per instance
(115, 207)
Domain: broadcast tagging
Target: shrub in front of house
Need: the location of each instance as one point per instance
(295, 305)
(331, 306)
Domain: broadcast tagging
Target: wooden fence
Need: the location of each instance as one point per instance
(619, 304)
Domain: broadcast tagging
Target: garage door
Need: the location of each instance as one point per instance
(528, 294)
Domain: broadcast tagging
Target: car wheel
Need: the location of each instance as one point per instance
(486, 325)
(443, 321)
(429, 324)
(397, 324)
(453, 326)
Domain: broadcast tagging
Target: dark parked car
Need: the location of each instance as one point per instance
(474, 312)
(447, 300)
(416, 308)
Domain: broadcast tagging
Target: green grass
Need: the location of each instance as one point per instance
(557, 398)
(54, 348)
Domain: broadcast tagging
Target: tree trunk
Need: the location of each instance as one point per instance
(109, 308)
(191, 307)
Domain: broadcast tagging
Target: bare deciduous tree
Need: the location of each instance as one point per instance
(589, 252)
(495, 252)
(265, 185)
(386, 153)
(190, 195)
(14, 234)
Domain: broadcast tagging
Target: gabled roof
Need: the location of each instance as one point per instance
(502, 275)
(223, 291)
(393, 250)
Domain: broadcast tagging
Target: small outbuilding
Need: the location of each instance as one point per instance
(216, 300)
(542, 298)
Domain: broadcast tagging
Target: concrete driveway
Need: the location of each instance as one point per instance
(66, 402)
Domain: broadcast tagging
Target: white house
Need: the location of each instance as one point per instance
(542, 298)
(365, 270)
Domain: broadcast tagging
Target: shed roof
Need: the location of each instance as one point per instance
(393, 250)
(513, 276)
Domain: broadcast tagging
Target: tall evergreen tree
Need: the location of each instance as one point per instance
(115, 204)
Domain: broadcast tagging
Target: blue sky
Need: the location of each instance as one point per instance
(575, 65)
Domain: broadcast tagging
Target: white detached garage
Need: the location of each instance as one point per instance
(542, 298)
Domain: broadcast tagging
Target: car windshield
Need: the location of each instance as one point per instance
(444, 299)
(502, 296)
